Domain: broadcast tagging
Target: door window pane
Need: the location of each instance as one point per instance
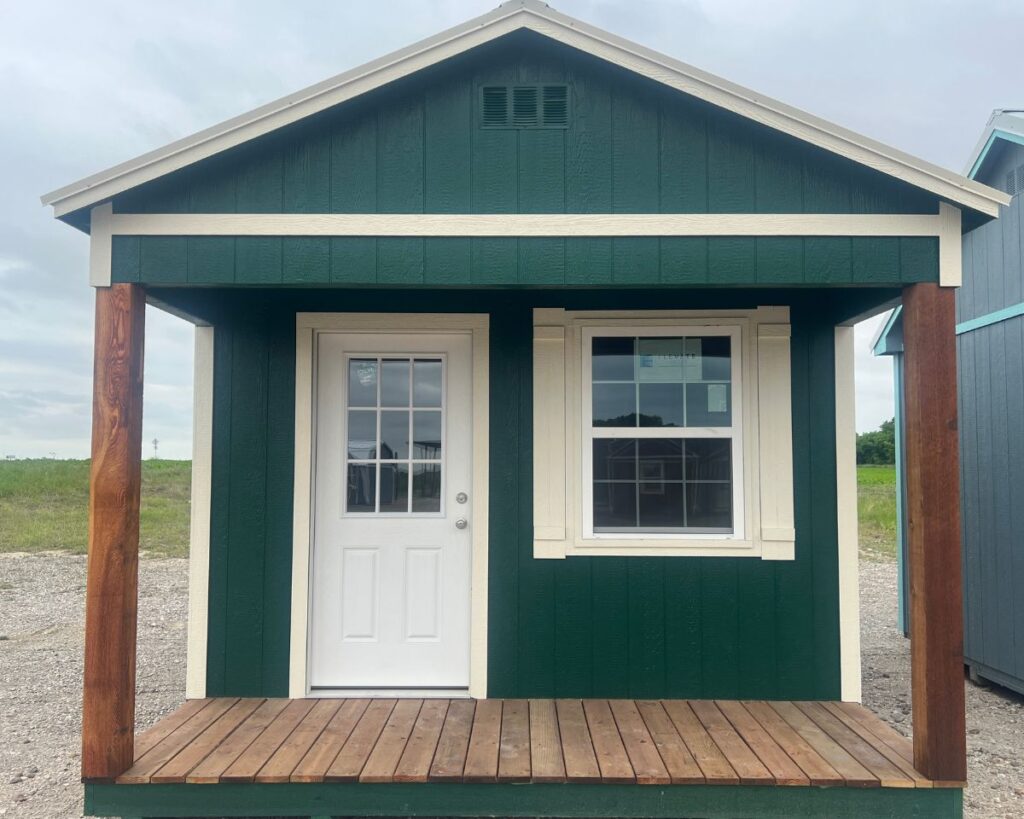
(362, 382)
(394, 383)
(362, 434)
(427, 383)
(394, 487)
(426, 435)
(394, 434)
(426, 488)
(361, 495)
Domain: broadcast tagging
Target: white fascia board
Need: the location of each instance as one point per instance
(1002, 123)
(535, 16)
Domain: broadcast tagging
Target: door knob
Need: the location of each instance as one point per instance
(461, 523)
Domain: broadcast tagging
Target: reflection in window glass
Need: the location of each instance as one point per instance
(362, 434)
(426, 488)
(614, 405)
(427, 383)
(361, 493)
(394, 488)
(394, 435)
(662, 484)
(426, 435)
(662, 381)
(394, 382)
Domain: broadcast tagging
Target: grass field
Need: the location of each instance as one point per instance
(876, 509)
(44, 505)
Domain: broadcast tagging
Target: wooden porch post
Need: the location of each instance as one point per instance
(933, 512)
(108, 701)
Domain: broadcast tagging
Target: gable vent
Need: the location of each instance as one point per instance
(495, 106)
(1011, 182)
(556, 106)
(524, 106)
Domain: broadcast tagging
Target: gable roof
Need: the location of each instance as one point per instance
(1006, 124)
(540, 18)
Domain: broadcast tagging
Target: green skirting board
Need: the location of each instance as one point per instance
(569, 800)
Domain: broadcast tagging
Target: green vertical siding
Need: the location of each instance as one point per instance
(584, 626)
(632, 146)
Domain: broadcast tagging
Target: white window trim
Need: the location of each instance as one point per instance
(588, 432)
(767, 471)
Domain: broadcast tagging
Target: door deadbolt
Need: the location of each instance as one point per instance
(462, 497)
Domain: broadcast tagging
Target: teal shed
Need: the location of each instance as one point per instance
(524, 450)
(990, 346)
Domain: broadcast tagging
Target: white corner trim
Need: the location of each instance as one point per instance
(950, 246)
(846, 507)
(199, 529)
(538, 17)
(101, 244)
(530, 224)
(302, 501)
(308, 325)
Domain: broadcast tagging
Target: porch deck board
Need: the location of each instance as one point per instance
(645, 742)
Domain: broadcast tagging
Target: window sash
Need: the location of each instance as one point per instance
(732, 432)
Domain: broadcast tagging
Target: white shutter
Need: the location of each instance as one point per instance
(775, 442)
(549, 439)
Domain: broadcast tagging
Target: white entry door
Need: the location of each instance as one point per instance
(390, 601)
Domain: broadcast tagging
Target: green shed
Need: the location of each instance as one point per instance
(524, 449)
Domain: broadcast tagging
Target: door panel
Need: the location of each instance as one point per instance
(391, 568)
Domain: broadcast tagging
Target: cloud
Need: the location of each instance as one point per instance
(86, 86)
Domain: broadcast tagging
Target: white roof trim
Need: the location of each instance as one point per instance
(1005, 120)
(535, 16)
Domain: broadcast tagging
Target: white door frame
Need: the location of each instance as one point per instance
(307, 327)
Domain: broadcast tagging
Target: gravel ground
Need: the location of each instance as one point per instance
(995, 716)
(41, 603)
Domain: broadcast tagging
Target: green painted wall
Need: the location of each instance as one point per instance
(632, 146)
(638, 627)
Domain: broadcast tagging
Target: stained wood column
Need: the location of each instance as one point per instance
(108, 701)
(933, 512)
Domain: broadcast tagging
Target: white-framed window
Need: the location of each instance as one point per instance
(662, 422)
(663, 433)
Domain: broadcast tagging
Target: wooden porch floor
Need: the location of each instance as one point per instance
(646, 742)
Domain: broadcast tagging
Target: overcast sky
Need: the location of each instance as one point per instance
(87, 85)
